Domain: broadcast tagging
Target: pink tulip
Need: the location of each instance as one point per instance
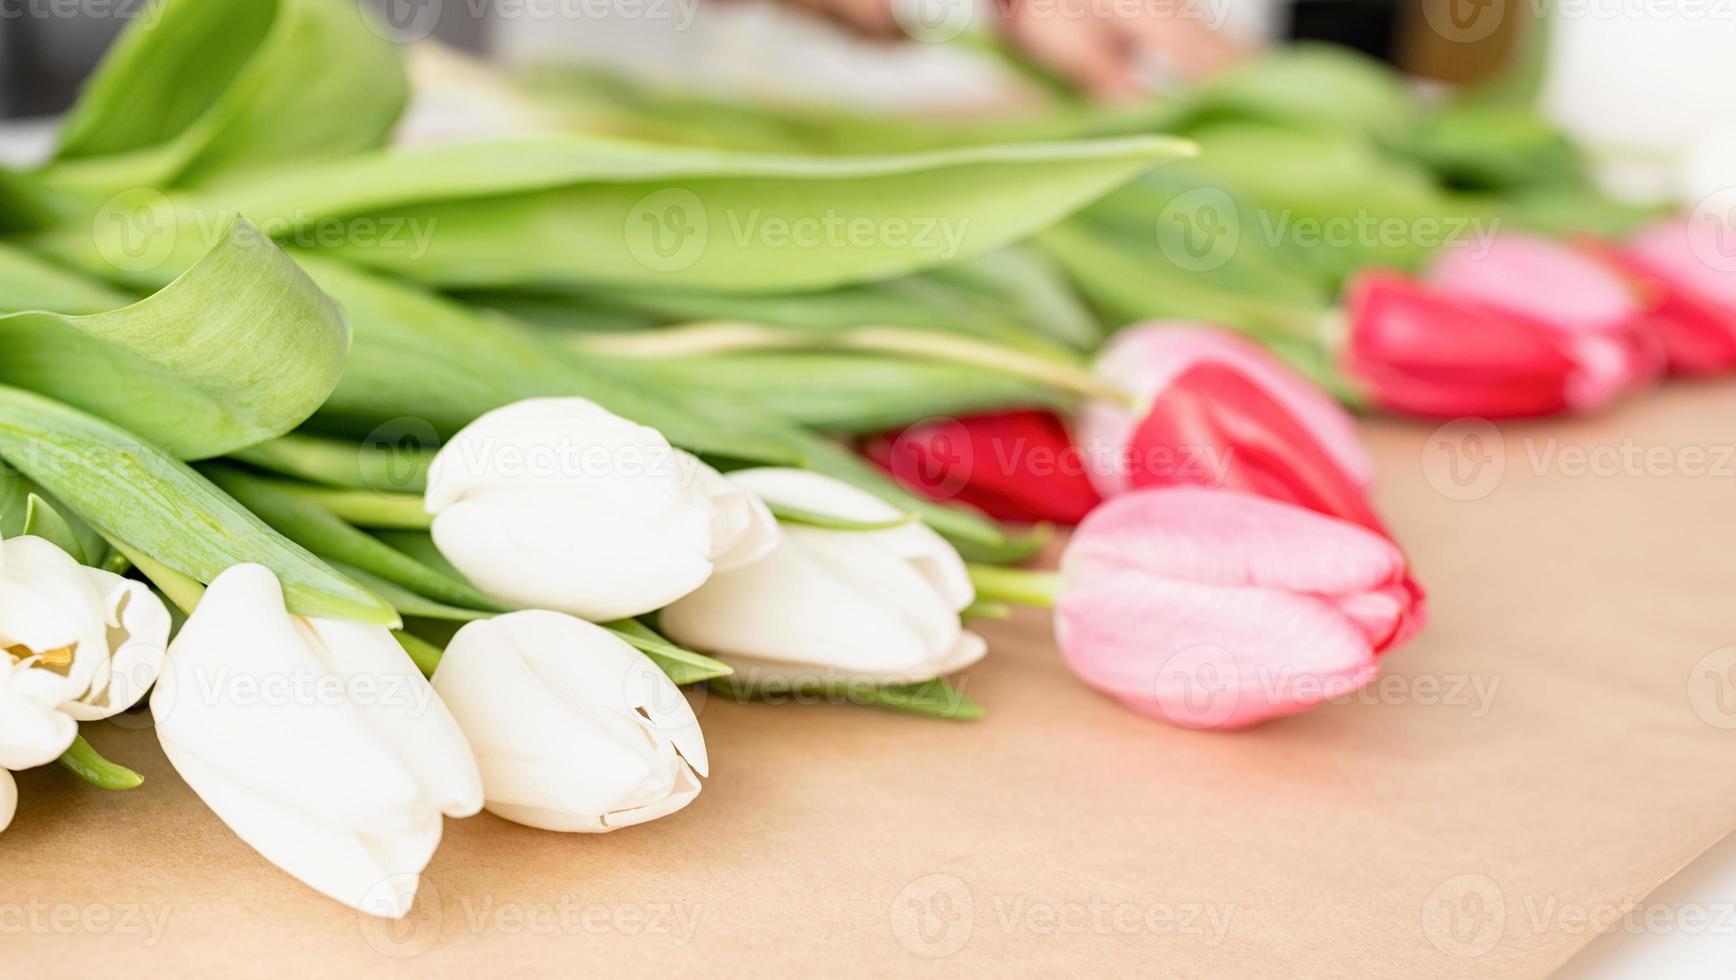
(1540, 280)
(1417, 350)
(1217, 410)
(1689, 291)
(1219, 609)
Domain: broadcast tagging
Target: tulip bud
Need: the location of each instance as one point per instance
(1014, 466)
(1421, 352)
(316, 740)
(880, 606)
(1219, 411)
(1219, 609)
(81, 644)
(573, 729)
(555, 503)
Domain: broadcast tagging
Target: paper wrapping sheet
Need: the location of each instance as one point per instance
(1559, 741)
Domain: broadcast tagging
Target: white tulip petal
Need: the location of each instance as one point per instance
(553, 552)
(887, 578)
(807, 490)
(138, 633)
(686, 789)
(743, 528)
(32, 731)
(329, 858)
(571, 725)
(47, 602)
(272, 725)
(935, 559)
(561, 444)
(787, 607)
(8, 798)
(407, 715)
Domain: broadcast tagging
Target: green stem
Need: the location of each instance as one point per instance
(425, 655)
(365, 508)
(182, 589)
(699, 339)
(1015, 585)
(336, 463)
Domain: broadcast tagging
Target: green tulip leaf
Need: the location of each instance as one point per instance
(239, 349)
(197, 90)
(300, 518)
(931, 699)
(43, 521)
(89, 765)
(567, 209)
(29, 283)
(143, 498)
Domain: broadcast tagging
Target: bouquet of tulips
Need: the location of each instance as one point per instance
(396, 483)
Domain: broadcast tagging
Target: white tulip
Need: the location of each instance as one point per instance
(574, 729)
(8, 798)
(880, 606)
(555, 503)
(80, 644)
(316, 740)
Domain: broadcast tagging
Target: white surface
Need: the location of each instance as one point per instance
(1686, 930)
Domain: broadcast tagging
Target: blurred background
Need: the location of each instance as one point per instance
(1640, 83)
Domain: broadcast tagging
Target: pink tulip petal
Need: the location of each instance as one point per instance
(1539, 279)
(1214, 426)
(1220, 609)
(1145, 359)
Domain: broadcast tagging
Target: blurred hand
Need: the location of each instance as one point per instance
(1108, 48)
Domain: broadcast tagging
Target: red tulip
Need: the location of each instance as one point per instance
(1016, 466)
(1219, 609)
(1420, 351)
(1219, 411)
